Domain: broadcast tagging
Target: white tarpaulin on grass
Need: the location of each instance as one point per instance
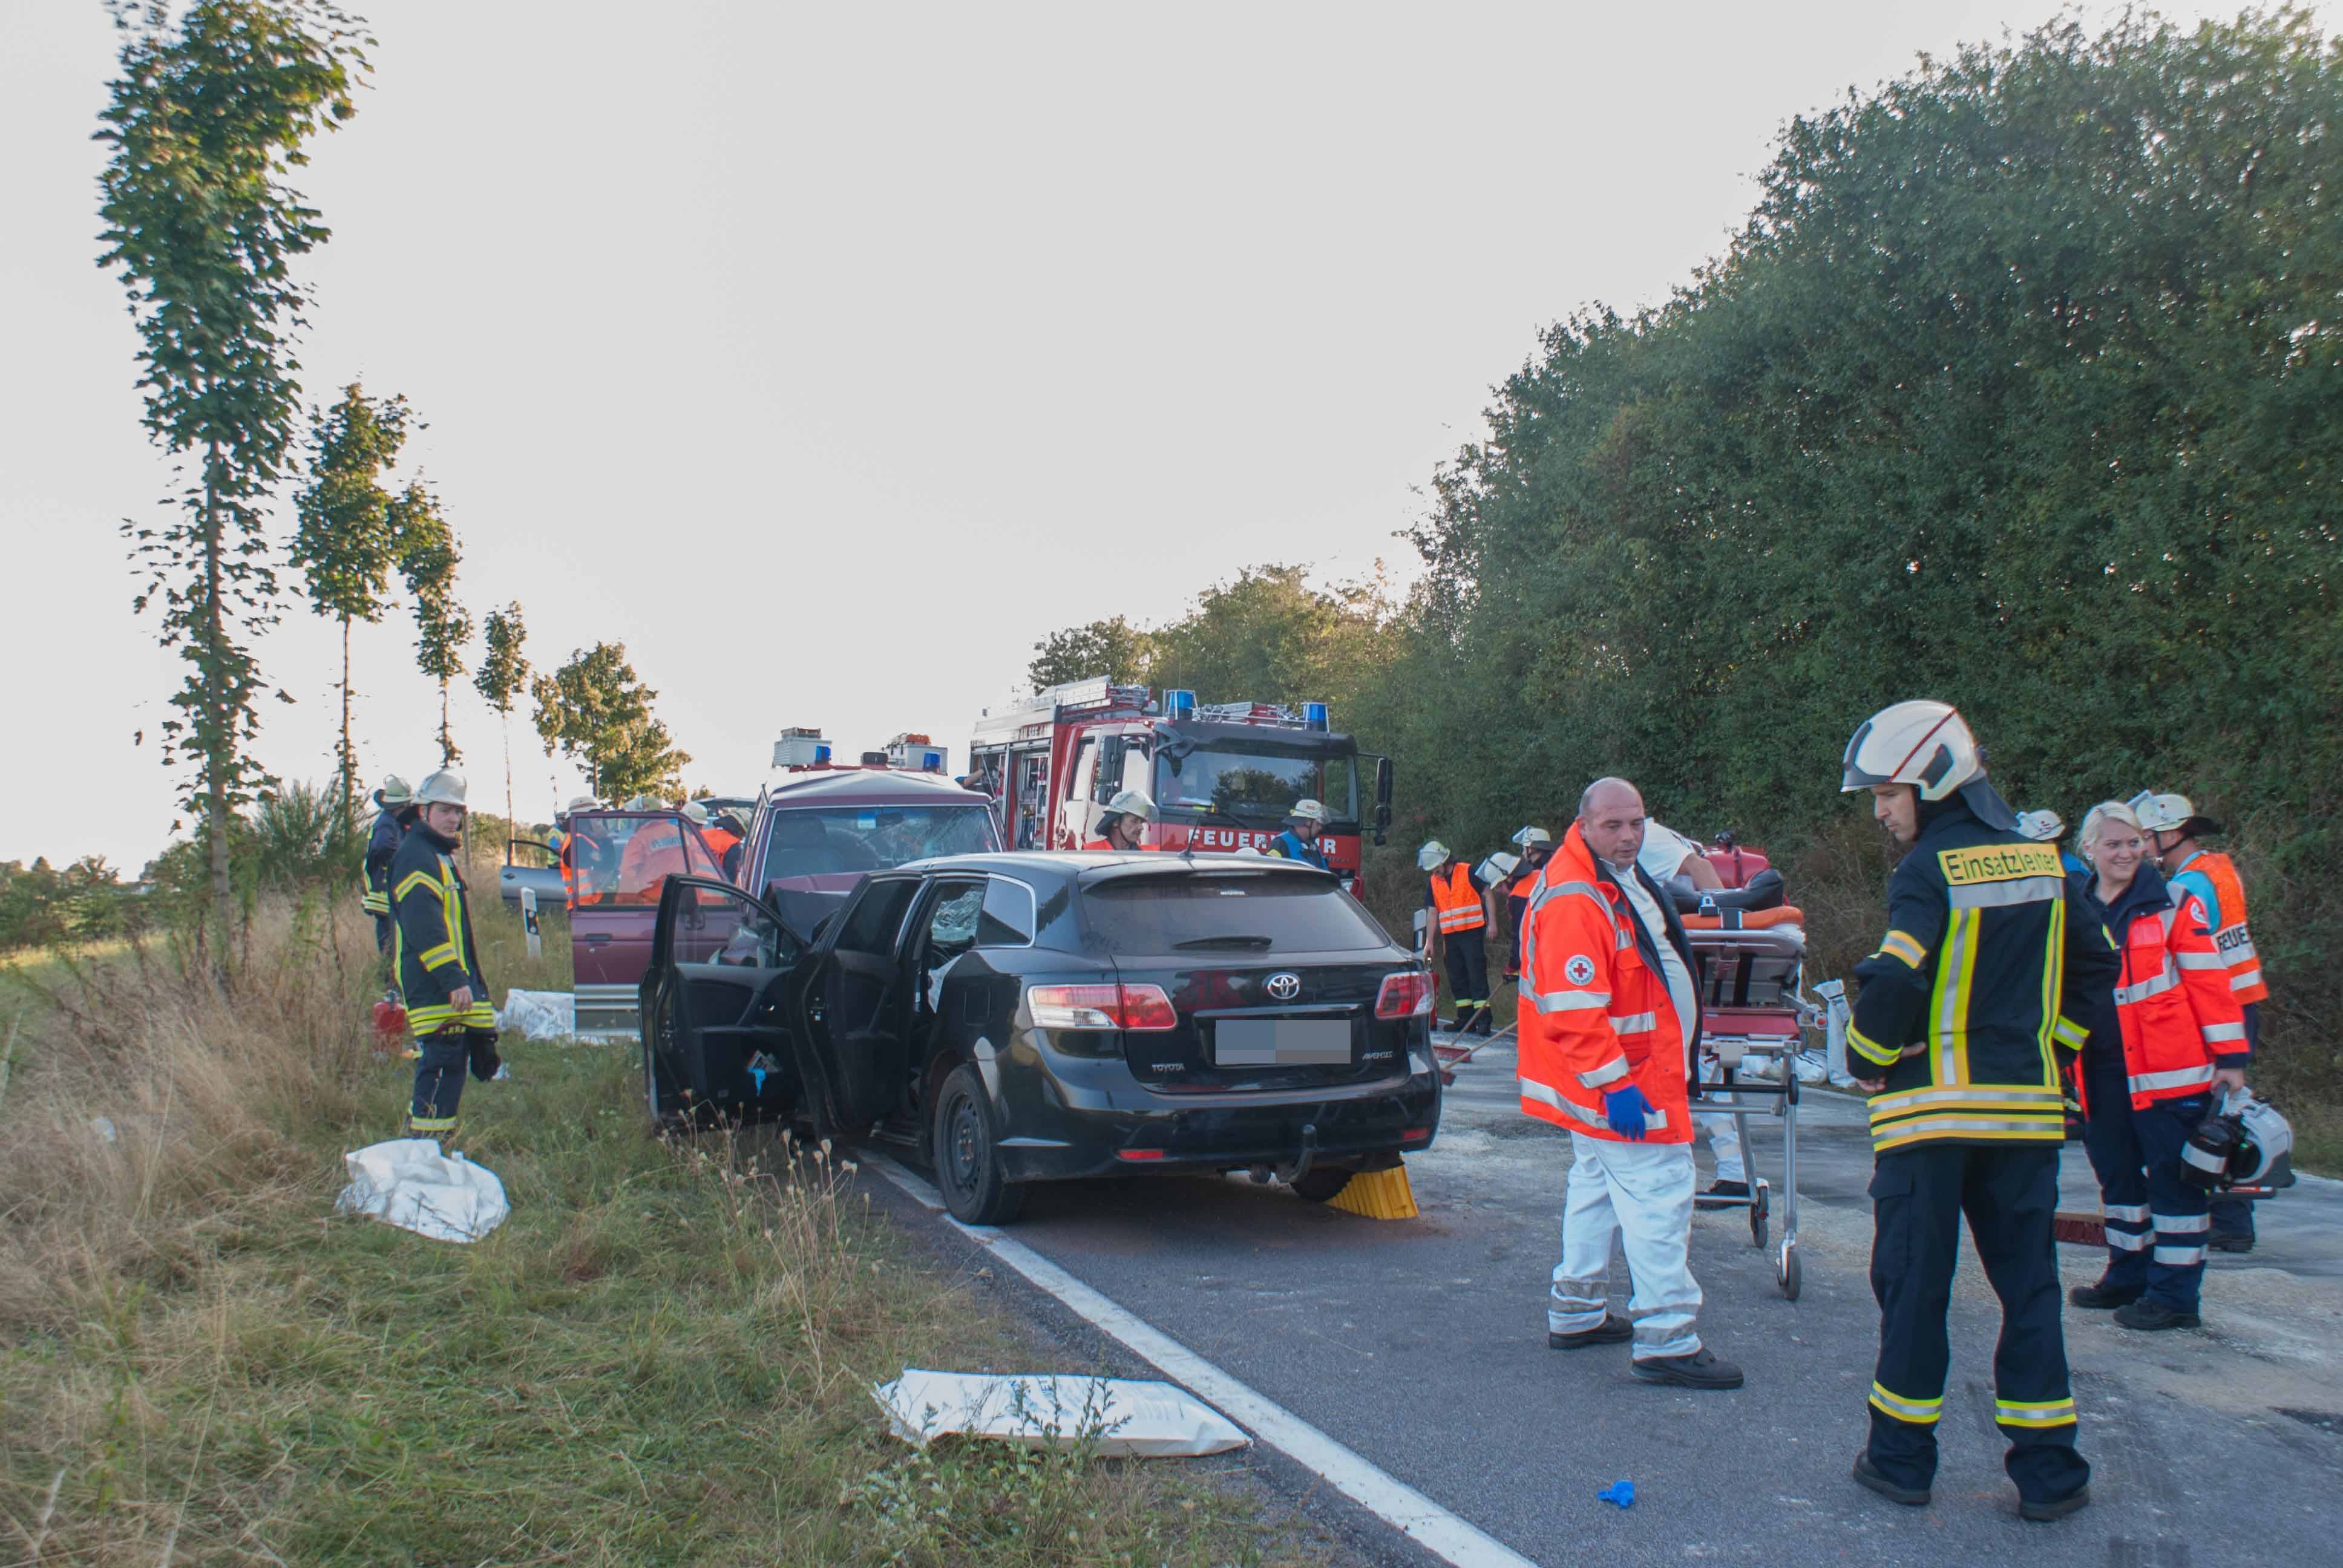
(1110, 1415)
(409, 1183)
(541, 1014)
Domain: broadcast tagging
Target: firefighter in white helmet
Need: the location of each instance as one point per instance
(1125, 821)
(1456, 900)
(446, 996)
(1304, 836)
(1992, 957)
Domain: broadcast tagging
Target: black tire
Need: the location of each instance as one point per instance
(968, 1154)
(1320, 1184)
(1761, 1207)
(1789, 1273)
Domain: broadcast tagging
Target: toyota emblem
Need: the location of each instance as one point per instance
(1284, 987)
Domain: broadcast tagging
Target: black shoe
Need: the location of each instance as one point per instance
(2101, 1297)
(1867, 1475)
(2059, 1508)
(1699, 1369)
(1719, 1195)
(2231, 1241)
(1612, 1331)
(2148, 1316)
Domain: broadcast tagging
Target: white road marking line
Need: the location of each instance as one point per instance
(1395, 1502)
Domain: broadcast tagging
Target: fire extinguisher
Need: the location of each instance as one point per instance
(390, 1022)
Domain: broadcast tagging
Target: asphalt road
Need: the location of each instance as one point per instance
(1421, 1346)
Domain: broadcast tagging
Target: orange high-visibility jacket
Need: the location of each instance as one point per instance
(1456, 900)
(2234, 941)
(1594, 1012)
(2174, 1004)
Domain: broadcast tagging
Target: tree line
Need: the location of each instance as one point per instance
(2019, 387)
(214, 110)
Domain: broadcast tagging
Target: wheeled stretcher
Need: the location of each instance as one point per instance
(1749, 951)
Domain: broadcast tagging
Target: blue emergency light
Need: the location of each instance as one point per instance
(1313, 716)
(932, 761)
(1180, 704)
(821, 755)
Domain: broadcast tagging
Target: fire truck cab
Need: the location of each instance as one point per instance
(1223, 775)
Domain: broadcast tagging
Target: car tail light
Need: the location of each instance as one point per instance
(1138, 1007)
(1407, 994)
(1139, 1154)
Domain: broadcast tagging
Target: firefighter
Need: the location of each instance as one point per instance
(1987, 970)
(573, 839)
(1124, 821)
(397, 810)
(2164, 1043)
(2174, 826)
(1304, 835)
(1537, 846)
(1608, 1012)
(1460, 923)
(447, 1006)
(2048, 828)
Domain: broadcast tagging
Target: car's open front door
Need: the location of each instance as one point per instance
(717, 1003)
(854, 1008)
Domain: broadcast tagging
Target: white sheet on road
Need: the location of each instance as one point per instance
(541, 1014)
(409, 1183)
(1113, 1415)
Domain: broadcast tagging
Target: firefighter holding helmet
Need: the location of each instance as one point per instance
(439, 964)
(1987, 974)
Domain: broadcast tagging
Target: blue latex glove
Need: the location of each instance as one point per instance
(1621, 1493)
(1625, 1108)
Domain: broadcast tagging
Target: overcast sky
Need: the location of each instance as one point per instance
(830, 356)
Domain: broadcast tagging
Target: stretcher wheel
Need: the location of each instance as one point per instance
(1761, 1206)
(1786, 1271)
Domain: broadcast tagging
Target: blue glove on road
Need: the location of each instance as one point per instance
(1626, 1109)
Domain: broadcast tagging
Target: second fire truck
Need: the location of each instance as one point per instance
(1223, 775)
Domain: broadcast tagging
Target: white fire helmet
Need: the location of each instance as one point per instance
(2161, 813)
(394, 792)
(1498, 867)
(1529, 836)
(1924, 743)
(1308, 811)
(1132, 803)
(2042, 827)
(583, 803)
(695, 813)
(1430, 855)
(444, 788)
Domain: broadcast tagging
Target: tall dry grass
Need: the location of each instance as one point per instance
(663, 1356)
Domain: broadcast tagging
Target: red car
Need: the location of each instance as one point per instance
(819, 830)
(618, 862)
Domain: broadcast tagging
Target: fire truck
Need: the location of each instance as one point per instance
(1223, 775)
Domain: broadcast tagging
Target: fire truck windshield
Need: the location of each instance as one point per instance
(1256, 785)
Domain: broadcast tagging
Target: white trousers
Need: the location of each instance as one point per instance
(1642, 1193)
(1723, 1137)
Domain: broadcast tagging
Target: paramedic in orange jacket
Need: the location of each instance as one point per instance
(1609, 1014)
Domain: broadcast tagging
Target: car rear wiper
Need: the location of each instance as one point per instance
(1228, 942)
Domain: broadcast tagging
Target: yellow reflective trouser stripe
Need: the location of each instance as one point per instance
(2036, 1413)
(1968, 1130)
(1921, 1412)
(1903, 945)
(429, 1123)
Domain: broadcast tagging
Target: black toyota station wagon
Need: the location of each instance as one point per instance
(1014, 1017)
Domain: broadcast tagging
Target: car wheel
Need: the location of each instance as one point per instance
(968, 1154)
(1320, 1184)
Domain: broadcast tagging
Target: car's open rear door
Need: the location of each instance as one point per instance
(718, 1002)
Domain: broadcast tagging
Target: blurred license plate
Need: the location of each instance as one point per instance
(1282, 1042)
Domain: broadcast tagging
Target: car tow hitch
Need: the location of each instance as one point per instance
(1290, 1174)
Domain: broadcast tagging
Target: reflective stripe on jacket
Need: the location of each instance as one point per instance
(1288, 846)
(1594, 1011)
(2231, 937)
(434, 951)
(1990, 963)
(382, 847)
(1456, 900)
(2173, 1005)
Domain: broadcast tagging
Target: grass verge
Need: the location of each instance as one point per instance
(663, 1356)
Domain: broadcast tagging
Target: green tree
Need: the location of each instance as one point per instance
(599, 713)
(428, 559)
(1113, 647)
(345, 542)
(205, 121)
(503, 674)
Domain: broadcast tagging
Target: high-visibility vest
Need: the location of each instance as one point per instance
(2174, 1004)
(2234, 941)
(1455, 901)
(1593, 1016)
